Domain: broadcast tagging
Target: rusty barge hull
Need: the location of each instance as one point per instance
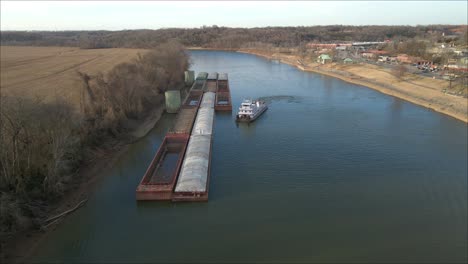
(212, 86)
(223, 95)
(161, 176)
(223, 101)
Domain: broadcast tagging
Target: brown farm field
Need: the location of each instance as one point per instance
(51, 72)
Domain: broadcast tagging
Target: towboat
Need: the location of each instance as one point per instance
(250, 110)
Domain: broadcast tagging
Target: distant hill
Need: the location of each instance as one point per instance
(224, 37)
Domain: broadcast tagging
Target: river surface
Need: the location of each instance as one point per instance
(332, 172)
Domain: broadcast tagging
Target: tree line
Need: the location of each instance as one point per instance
(222, 37)
(43, 144)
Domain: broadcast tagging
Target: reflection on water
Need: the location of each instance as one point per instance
(332, 172)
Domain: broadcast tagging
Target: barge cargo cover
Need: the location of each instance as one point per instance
(180, 170)
(193, 181)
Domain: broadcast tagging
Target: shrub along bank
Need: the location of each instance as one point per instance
(43, 144)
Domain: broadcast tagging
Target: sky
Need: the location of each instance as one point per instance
(119, 15)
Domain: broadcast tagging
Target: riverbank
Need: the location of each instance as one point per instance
(419, 90)
(19, 247)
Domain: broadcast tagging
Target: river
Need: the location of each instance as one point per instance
(332, 172)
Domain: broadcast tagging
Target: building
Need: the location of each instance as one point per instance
(383, 58)
(323, 51)
(348, 61)
(463, 52)
(464, 61)
(373, 53)
(405, 58)
(369, 43)
(324, 58)
(328, 45)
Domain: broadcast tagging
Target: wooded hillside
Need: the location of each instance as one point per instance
(223, 37)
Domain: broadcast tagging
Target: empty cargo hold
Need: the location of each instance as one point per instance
(223, 101)
(160, 177)
(193, 99)
(223, 95)
(223, 85)
(211, 82)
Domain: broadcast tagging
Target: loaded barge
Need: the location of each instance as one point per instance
(193, 181)
(180, 170)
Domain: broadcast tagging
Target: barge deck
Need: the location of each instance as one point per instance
(180, 170)
(160, 177)
(193, 181)
(223, 95)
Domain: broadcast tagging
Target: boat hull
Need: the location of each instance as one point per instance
(251, 119)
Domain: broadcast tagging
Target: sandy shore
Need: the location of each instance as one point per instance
(419, 90)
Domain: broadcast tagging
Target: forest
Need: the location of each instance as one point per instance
(224, 37)
(45, 143)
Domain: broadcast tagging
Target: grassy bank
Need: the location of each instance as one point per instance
(51, 145)
(419, 90)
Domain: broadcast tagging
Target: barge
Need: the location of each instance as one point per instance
(212, 82)
(180, 170)
(200, 82)
(223, 95)
(194, 178)
(193, 99)
(160, 177)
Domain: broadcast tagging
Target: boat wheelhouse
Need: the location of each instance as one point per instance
(250, 110)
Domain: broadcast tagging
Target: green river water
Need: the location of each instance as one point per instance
(332, 172)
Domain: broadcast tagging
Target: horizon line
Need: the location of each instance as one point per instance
(228, 27)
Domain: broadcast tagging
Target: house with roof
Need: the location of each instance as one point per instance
(348, 61)
(324, 58)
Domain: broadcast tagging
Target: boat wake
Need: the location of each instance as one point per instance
(287, 98)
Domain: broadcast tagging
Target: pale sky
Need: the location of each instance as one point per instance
(118, 15)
